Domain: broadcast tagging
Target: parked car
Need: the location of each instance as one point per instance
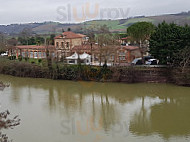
(146, 58)
(148, 61)
(137, 61)
(152, 62)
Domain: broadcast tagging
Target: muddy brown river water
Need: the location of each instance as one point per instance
(66, 111)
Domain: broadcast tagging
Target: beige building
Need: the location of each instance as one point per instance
(31, 51)
(65, 42)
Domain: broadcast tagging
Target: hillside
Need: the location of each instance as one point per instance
(114, 25)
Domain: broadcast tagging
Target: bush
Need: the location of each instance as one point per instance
(39, 61)
(12, 57)
(26, 59)
(20, 58)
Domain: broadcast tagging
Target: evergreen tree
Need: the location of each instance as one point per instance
(167, 40)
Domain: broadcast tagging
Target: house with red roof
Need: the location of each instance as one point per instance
(69, 39)
(63, 45)
(31, 51)
(69, 43)
(65, 42)
(112, 54)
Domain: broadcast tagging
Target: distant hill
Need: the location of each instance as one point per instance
(114, 25)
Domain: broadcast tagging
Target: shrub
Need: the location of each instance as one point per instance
(39, 61)
(20, 58)
(12, 57)
(26, 59)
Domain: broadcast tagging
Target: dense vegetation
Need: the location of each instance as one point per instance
(169, 43)
(168, 40)
(54, 70)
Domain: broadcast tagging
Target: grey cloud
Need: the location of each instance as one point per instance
(21, 11)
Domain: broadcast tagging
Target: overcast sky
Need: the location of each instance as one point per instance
(24, 11)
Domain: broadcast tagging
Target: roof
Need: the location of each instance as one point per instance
(131, 47)
(125, 38)
(81, 35)
(70, 35)
(87, 47)
(33, 47)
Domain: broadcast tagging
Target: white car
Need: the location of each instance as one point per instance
(152, 62)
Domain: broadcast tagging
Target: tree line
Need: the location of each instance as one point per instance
(169, 43)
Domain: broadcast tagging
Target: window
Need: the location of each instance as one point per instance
(57, 44)
(62, 44)
(121, 54)
(71, 61)
(23, 54)
(31, 54)
(35, 54)
(121, 58)
(44, 54)
(40, 54)
(112, 57)
(27, 54)
(67, 44)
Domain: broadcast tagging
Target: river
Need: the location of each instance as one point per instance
(66, 111)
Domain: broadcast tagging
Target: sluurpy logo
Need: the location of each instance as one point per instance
(87, 11)
(89, 127)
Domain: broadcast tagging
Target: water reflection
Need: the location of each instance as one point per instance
(5, 121)
(168, 118)
(148, 108)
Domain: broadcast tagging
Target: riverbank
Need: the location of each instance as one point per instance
(58, 71)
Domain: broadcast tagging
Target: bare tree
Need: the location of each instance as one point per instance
(183, 58)
(107, 43)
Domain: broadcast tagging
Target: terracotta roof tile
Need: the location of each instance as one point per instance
(131, 47)
(69, 35)
(33, 47)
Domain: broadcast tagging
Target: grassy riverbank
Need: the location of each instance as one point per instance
(53, 70)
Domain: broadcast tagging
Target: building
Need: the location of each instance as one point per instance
(71, 47)
(32, 51)
(113, 55)
(126, 54)
(125, 41)
(66, 41)
(63, 45)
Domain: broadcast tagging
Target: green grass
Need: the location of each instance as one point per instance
(187, 18)
(115, 24)
(31, 61)
(135, 20)
(112, 24)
